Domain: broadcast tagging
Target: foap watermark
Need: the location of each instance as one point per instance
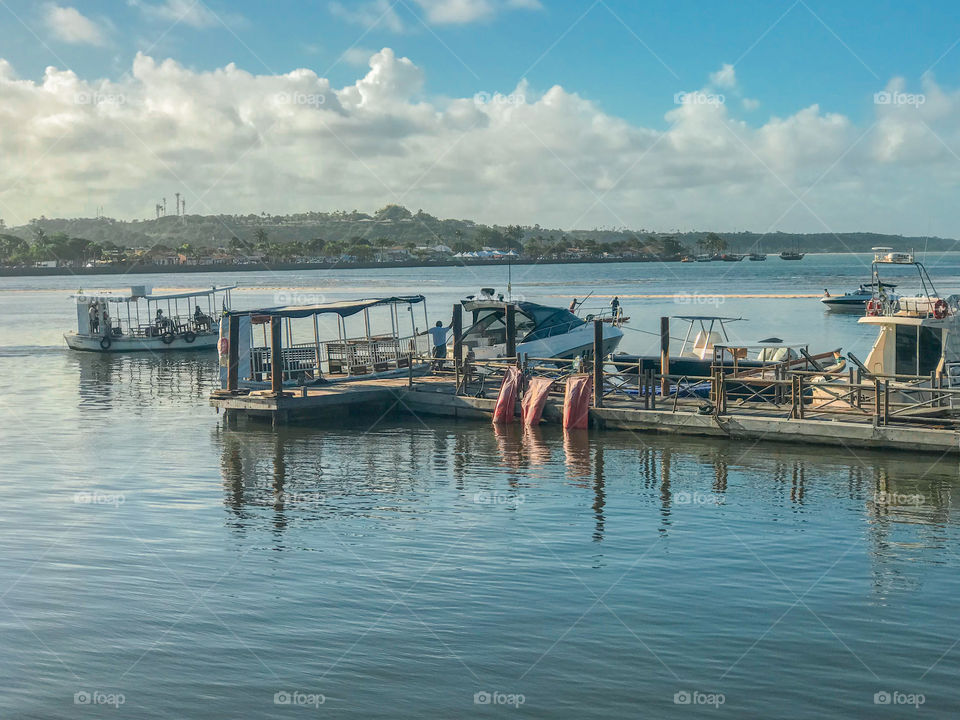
(512, 100)
(495, 697)
(298, 699)
(892, 498)
(300, 498)
(698, 97)
(301, 98)
(886, 97)
(95, 497)
(98, 697)
(895, 697)
(696, 697)
(486, 497)
(698, 299)
(298, 298)
(95, 97)
(697, 498)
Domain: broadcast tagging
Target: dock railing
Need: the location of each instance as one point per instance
(775, 390)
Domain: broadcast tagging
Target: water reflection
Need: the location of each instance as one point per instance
(143, 380)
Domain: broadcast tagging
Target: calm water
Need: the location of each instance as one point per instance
(397, 568)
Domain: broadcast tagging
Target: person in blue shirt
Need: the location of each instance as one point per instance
(438, 334)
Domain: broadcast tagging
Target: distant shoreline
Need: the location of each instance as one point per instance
(141, 269)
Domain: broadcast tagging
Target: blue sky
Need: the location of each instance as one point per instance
(630, 57)
(801, 70)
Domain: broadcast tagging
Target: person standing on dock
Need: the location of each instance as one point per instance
(438, 334)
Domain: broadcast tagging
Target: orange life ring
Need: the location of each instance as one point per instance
(940, 309)
(873, 308)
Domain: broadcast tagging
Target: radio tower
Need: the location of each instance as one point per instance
(178, 204)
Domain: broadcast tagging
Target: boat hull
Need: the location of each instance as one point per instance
(126, 343)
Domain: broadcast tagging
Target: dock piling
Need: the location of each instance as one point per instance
(511, 318)
(598, 363)
(276, 354)
(664, 356)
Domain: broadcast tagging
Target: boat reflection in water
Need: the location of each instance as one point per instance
(604, 487)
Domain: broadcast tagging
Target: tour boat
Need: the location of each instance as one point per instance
(542, 331)
(139, 320)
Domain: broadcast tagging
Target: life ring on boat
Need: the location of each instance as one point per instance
(105, 342)
(189, 336)
(167, 337)
(940, 309)
(873, 308)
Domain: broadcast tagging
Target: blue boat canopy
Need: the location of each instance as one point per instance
(344, 308)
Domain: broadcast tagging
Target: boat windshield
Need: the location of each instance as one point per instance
(490, 327)
(550, 322)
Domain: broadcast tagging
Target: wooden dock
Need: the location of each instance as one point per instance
(436, 396)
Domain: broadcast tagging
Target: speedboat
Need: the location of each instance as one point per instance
(542, 331)
(857, 300)
(139, 320)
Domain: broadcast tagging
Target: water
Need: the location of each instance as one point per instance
(399, 567)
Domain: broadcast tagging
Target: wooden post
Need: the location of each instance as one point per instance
(410, 370)
(800, 395)
(598, 363)
(457, 328)
(233, 352)
(653, 391)
(511, 313)
(664, 357)
(886, 402)
(276, 354)
(876, 401)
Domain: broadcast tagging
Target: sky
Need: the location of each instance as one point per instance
(792, 115)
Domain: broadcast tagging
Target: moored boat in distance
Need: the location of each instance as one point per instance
(794, 254)
(141, 321)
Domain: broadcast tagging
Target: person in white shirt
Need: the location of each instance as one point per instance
(438, 334)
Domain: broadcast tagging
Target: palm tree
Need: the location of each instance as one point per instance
(260, 238)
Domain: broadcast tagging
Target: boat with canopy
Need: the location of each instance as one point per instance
(140, 320)
(323, 342)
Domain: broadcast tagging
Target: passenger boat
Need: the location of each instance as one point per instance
(918, 338)
(142, 321)
(542, 331)
(857, 300)
(318, 344)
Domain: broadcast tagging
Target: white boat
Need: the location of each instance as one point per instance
(918, 338)
(542, 331)
(857, 300)
(139, 321)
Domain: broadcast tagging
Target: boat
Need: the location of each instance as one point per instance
(324, 350)
(758, 255)
(703, 258)
(918, 338)
(794, 254)
(731, 257)
(857, 300)
(139, 320)
(542, 331)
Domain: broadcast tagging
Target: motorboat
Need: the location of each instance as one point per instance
(542, 331)
(139, 320)
(857, 300)
(757, 255)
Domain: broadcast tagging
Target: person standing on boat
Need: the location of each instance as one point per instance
(438, 334)
(94, 318)
(615, 307)
(573, 305)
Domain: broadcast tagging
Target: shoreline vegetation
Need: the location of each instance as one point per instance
(392, 237)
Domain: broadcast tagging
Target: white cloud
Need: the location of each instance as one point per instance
(188, 12)
(69, 25)
(750, 104)
(369, 13)
(725, 77)
(237, 142)
(359, 56)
